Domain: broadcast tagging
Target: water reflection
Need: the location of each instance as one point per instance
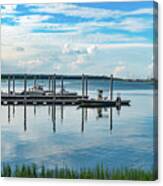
(35, 110)
(62, 113)
(54, 117)
(25, 117)
(82, 123)
(49, 110)
(101, 113)
(111, 119)
(8, 113)
(13, 111)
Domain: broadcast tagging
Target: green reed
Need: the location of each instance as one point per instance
(100, 172)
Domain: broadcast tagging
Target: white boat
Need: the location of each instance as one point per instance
(36, 90)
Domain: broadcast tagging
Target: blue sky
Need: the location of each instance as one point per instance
(75, 38)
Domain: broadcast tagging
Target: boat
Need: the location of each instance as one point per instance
(62, 93)
(102, 103)
(65, 92)
(35, 90)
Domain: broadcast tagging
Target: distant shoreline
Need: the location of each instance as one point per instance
(73, 77)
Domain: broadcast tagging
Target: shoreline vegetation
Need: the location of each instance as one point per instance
(75, 77)
(101, 173)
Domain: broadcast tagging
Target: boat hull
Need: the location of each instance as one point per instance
(103, 103)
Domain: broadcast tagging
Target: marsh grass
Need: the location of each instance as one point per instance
(32, 171)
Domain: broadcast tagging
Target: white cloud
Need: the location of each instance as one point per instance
(119, 69)
(56, 67)
(66, 48)
(91, 49)
(78, 49)
(79, 61)
(83, 46)
(31, 64)
(88, 12)
(8, 9)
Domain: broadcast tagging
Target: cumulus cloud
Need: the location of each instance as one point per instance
(119, 69)
(88, 12)
(80, 50)
(56, 67)
(79, 61)
(90, 41)
(8, 9)
(33, 63)
(91, 49)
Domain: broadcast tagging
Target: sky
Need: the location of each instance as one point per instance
(75, 38)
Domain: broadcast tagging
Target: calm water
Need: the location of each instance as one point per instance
(67, 136)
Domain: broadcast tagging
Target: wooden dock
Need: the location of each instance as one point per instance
(40, 100)
(83, 100)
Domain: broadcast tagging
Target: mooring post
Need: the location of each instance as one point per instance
(35, 81)
(13, 84)
(54, 86)
(9, 85)
(62, 85)
(25, 85)
(111, 87)
(49, 82)
(82, 85)
(86, 85)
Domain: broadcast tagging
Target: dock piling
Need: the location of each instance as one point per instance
(9, 84)
(86, 85)
(35, 81)
(62, 85)
(49, 83)
(25, 85)
(111, 87)
(54, 86)
(83, 85)
(13, 84)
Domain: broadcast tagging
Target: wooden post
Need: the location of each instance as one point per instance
(111, 87)
(82, 85)
(62, 85)
(8, 85)
(25, 85)
(49, 83)
(86, 85)
(35, 81)
(54, 86)
(13, 84)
